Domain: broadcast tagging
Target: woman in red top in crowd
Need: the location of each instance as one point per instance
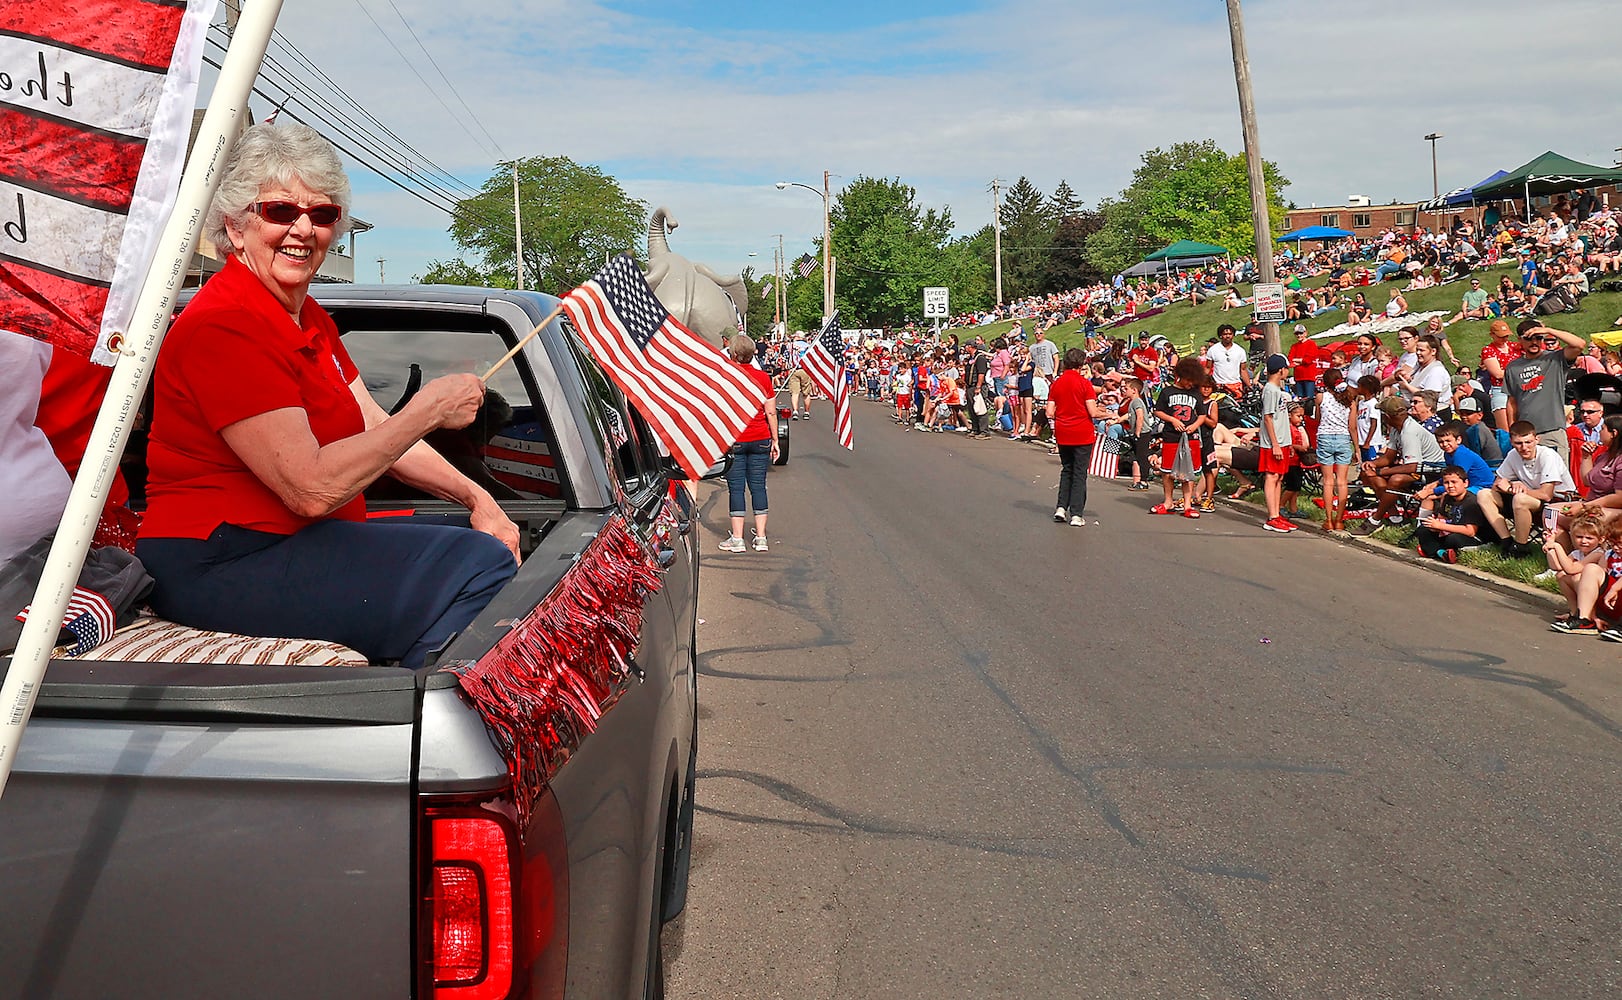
(264, 435)
(752, 455)
(1072, 408)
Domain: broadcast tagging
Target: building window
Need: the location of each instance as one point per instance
(1360, 220)
(1405, 217)
(1331, 219)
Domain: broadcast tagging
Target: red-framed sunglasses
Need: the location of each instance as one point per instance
(286, 213)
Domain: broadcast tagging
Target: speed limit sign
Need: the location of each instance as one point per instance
(937, 303)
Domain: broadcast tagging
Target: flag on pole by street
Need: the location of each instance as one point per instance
(824, 361)
(805, 265)
(93, 128)
(696, 399)
(765, 288)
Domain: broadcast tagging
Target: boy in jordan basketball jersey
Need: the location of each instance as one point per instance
(1181, 417)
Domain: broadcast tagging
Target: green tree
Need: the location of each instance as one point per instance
(888, 249)
(573, 216)
(460, 272)
(1064, 202)
(1068, 265)
(1192, 191)
(1027, 235)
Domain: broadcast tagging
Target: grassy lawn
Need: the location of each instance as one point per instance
(1186, 325)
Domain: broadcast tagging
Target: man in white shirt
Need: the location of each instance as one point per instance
(1531, 476)
(1228, 363)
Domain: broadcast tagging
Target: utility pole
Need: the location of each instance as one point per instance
(518, 230)
(1253, 160)
(827, 257)
(996, 230)
(380, 279)
(779, 293)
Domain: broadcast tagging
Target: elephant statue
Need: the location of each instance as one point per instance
(711, 305)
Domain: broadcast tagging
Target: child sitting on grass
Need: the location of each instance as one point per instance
(1588, 576)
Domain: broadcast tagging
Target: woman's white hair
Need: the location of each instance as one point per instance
(273, 155)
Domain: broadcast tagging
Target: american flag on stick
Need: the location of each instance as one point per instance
(93, 124)
(805, 265)
(824, 361)
(697, 400)
(89, 618)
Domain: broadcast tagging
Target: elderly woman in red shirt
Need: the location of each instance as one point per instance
(1072, 407)
(264, 436)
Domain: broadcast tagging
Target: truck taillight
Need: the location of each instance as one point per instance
(493, 921)
(470, 905)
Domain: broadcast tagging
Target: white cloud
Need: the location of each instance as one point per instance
(704, 121)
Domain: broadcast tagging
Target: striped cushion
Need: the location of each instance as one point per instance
(153, 640)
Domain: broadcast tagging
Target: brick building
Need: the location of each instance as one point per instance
(1361, 217)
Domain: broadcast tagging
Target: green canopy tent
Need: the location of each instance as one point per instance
(1189, 248)
(1550, 173)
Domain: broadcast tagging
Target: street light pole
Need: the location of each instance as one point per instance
(827, 247)
(1253, 160)
(1436, 188)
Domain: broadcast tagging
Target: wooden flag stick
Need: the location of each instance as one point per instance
(554, 314)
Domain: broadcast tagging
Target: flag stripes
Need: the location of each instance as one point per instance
(70, 161)
(89, 618)
(134, 32)
(96, 109)
(696, 400)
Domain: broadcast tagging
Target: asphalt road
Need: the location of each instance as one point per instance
(952, 749)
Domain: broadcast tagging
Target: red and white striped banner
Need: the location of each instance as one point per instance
(93, 130)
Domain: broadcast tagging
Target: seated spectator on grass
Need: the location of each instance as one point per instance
(1397, 305)
(1586, 439)
(1423, 408)
(1478, 474)
(1478, 437)
(1530, 476)
(1359, 312)
(1411, 453)
(1511, 299)
(1604, 481)
(1434, 327)
(1590, 579)
(1474, 303)
(1450, 519)
(1429, 373)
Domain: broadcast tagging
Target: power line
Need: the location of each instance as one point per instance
(497, 151)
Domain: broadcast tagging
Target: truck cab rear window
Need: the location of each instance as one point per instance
(508, 449)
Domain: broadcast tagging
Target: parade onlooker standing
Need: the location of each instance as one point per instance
(1178, 409)
(1304, 362)
(752, 455)
(1045, 356)
(1274, 441)
(1071, 409)
(976, 373)
(1337, 407)
(1228, 363)
(1536, 382)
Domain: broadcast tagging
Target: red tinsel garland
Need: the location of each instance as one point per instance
(548, 681)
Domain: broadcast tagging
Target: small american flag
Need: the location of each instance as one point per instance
(765, 288)
(805, 265)
(89, 618)
(696, 399)
(824, 361)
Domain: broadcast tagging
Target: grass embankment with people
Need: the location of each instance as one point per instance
(1188, 328)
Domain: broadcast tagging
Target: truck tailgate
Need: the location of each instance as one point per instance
(220, 846)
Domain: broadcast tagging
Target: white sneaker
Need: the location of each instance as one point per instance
(1058, 515)
(760, 543)
(1077, 521)
(733, 544)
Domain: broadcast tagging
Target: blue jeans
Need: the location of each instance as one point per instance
(393, 591)
(750, 460)
(1389, 267)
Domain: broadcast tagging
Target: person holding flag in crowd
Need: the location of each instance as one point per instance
(824, 362)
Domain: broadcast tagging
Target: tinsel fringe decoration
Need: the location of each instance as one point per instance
(547, 682)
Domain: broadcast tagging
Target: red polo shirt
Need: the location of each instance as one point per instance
(234, 353)
(1072, 424)
(759, 429)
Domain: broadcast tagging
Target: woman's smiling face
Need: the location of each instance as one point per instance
(283, 257)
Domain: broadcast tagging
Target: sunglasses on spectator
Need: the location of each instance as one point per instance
(1593, 411)
(286, 213)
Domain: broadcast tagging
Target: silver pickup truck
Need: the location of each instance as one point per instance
(210, 830)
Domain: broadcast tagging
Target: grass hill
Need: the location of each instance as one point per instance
(1184, 325)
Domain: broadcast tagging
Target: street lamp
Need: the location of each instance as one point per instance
(1436, 188)
(827, 249)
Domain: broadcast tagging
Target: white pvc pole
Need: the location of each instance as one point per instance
(148, 326)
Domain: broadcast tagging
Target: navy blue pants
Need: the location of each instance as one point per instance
(750, 460)
(392, 591)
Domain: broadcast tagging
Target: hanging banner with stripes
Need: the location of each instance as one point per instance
(96, 101)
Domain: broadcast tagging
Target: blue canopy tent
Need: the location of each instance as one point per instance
(1314, 233)
(1460, 198)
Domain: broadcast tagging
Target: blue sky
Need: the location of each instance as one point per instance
(702, 106)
